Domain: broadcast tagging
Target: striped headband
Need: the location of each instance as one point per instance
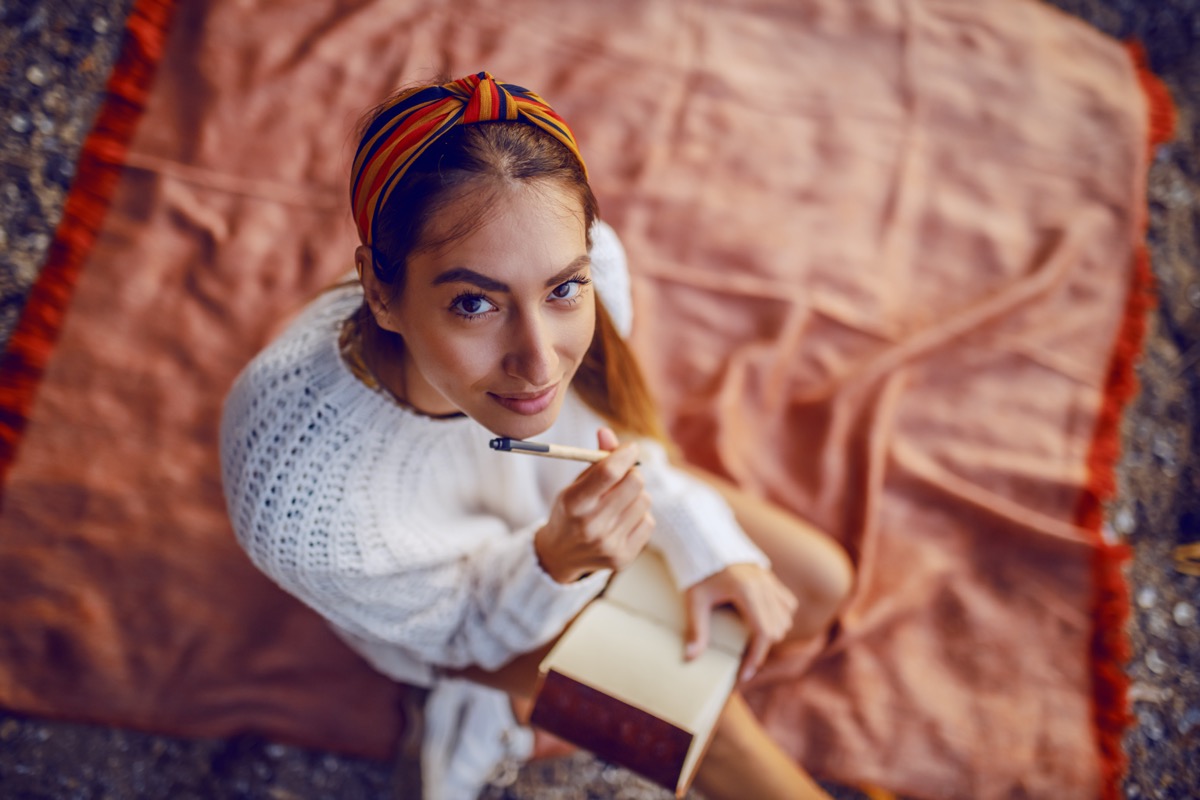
(406, 129)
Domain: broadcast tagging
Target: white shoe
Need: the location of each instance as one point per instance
(471, 740)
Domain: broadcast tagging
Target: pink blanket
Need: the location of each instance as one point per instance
(883, 252)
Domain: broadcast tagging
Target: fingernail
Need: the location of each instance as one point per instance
(692, 650)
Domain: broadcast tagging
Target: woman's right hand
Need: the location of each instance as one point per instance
(601, 521)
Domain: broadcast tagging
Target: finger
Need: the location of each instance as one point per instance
(699, 611)
(591, 485)
(606, 439)
(616, 512)
(639, 537)
(756, 653)
(765, 617)
(782, 591)
(635, 542)
(781, 612)
(626, 519)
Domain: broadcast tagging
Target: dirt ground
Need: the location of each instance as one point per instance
(54, 59)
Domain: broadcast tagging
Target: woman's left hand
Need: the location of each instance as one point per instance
(764, 603)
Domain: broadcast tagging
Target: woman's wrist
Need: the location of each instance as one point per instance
(551, 563)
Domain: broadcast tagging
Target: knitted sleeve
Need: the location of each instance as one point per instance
(482, 606)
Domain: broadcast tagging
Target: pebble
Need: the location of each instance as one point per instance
(1184, 614)
(1154, 662)
(276, 751)
(35, 75)
(1140, 692)
(1124, 521)
(1147, 596)
(100, 25)
(19, 123)
(1193, 295)
(1151, 725)
(1159, 624)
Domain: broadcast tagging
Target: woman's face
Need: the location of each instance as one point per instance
(495, 323)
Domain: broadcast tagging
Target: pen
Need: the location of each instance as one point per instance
(506, 445)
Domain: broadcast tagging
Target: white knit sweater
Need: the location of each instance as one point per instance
(409, 534)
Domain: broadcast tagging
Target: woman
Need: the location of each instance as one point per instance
(355, 448)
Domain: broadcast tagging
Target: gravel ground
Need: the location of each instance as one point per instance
(55, 56)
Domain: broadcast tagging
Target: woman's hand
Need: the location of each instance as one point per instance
(764, 603)
(601, 521)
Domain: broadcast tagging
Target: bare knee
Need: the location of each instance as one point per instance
(824, 587)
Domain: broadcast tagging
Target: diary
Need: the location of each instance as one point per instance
(616, 683)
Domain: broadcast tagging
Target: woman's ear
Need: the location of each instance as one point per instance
(377, 294)
(362, 260)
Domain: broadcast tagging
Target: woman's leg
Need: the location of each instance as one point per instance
(744, 761)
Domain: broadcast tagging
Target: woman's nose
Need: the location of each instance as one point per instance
(531, 355)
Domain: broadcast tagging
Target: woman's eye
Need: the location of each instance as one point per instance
(471, 305)
(567, 291)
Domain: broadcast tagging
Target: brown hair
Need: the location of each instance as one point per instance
(493, 153)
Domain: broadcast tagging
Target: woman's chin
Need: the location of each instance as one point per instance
(520, 429)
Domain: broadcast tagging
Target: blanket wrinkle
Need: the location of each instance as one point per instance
(315, 197)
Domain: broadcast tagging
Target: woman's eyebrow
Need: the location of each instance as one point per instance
(568, 273)
(466, 275)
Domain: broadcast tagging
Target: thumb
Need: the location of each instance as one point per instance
(607, 439)
(696, 633)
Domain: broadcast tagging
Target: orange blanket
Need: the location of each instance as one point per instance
(883, 252)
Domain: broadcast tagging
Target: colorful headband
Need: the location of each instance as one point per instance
(405, 130)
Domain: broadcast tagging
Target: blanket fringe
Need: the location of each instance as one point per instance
(1110, 602)
(100, 162)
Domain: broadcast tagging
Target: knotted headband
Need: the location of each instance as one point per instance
(407, 128)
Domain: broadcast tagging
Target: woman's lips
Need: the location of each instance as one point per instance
(527, 403)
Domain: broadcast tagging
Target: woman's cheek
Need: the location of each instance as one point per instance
(467, 359)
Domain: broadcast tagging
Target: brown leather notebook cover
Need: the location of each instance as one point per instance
(613, 730)
(617, 684)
